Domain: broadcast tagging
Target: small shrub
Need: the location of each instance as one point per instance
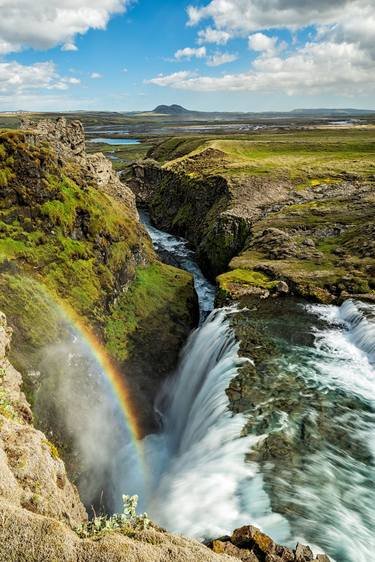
(127, 521)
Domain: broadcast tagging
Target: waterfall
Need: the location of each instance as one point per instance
(196, 464)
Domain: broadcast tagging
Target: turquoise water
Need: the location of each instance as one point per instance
(114, 141)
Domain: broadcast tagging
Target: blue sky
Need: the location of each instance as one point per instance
(247, 55)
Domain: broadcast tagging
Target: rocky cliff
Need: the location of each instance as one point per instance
(197, 208)
(272, 216)
(70, 235)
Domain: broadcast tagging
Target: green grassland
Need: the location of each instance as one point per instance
(307, 158)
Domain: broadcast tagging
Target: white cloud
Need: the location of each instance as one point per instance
(218, 59)
(254, 15)
(261, 42)
(189, 52)
(95, 75)
(171, 79)
(73, 81)
(210, 35)
(17, 79)
(42, 24)
(338, 57)
(69, 47)
(314, 69)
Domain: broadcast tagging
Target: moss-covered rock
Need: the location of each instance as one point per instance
(69, 232)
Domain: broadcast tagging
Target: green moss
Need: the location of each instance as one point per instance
(69, 235)
(36, 323)
(156, 290)
(245, 278)
(6, 175)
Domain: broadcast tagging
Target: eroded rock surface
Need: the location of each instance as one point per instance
(67, 138)
(32, 475)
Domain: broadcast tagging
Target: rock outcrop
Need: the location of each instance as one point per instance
(67, 139)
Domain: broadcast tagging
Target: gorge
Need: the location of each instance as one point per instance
(226, 378)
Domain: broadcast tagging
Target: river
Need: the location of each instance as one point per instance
(315, 405)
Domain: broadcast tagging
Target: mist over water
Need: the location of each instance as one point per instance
(76, 400)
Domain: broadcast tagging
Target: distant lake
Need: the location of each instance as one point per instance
(114, 141)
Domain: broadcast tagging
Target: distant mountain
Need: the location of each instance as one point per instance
(171, 110)
(178, 110)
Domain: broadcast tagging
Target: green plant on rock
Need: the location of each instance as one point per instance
(126, 522)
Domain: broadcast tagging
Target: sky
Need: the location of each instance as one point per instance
(228, 55)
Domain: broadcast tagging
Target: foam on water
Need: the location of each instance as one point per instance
(199, 483)
(333, 493)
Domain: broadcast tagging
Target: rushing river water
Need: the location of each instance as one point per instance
(176, 251)
(310, 428)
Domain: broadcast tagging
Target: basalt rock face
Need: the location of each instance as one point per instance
(67, 139)
(197, 209)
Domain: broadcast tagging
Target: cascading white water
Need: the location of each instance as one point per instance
(196, 465)
(362, 328)
(330, 490)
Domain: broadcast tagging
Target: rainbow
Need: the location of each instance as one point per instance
(114, 377)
